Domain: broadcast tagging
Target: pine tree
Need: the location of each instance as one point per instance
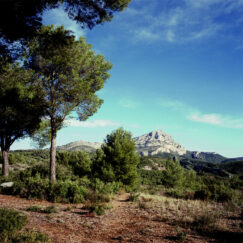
(117, 159)
(21, 107)
(70, 74)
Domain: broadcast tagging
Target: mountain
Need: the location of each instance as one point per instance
(80, 145)
(205, 156)
(239, 159)
(158, 142)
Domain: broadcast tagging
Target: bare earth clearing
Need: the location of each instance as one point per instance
(124, 222)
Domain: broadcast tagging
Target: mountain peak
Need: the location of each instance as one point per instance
(157, 142)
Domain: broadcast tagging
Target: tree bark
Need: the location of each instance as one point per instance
(53, 159)
(5, 163)
(53, 149)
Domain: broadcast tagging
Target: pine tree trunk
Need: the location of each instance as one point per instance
(53, 159)
(5, 163)
(53, 149)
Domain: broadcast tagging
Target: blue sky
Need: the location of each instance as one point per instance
(177, 66)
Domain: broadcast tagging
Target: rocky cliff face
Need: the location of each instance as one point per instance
(157, 142)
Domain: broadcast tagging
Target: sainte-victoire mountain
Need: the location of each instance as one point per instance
(158, 142)
(154, 143)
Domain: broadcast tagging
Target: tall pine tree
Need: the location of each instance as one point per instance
(70, 75)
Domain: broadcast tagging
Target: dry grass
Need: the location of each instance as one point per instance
(188, 213)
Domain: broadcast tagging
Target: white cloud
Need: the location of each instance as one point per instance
(97, 123)
(183, 21)
(175, 105)
(128, 103)
(193, 114)
(217, 119)
(91, 124)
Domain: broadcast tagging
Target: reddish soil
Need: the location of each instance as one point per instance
(125, 222)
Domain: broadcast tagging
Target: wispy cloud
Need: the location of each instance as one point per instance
(97, 123)
(128, 103)
(194, 114)
(217, 119)
(183, 21)
(175, 105)
(91, 124)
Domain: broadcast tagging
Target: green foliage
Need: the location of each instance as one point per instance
(50, 209)
(70, 74)
(177, 182)
(95, 207)
(108, 188)
(38, 209)
(134, 197)
(181, 236)
(174, 175)
(32, 187)
(42, 136)
(11, 221)
(21, 107)
(117, 159)
(67, 191)
(11, 224)
(31, 236)
(78, 161)
(26, 17)
(33, 183)
(32, 208)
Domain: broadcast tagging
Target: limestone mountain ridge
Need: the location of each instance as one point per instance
(157, 142)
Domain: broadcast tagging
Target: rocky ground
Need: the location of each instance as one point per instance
(125, 222)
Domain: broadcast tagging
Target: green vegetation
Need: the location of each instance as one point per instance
(11, 224)
(21, 107)
(168, 177)
(93, 178)
(78, 174)
(117, 159)
(69, 74)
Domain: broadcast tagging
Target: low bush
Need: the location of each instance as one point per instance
(97, 197)
(108, 188)
(11, 221)
(50, 209)
(67, 191)
(134, 197)
(31, 236)
(32, 187)
(206, 220)
(34, 209)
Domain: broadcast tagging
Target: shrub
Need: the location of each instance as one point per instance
(134, 197)
(30, 236)
(50, 209)
(98, 209)
(34, 209)
(67, 191)
(181, 236)
(101, 187)
(206, 220)
(117, 159)
(32, 187)
(174, 175)
(78, 161)
(97, 197)
(11, 221)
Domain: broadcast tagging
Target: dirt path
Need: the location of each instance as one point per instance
(125, 222)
